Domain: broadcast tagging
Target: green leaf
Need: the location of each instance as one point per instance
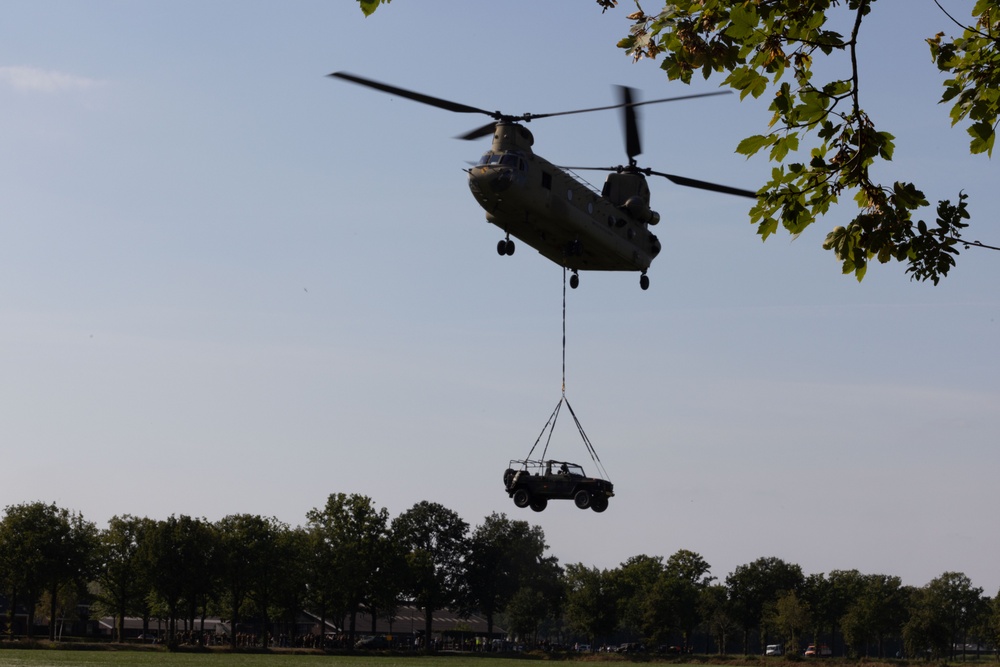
(982, 138)
(742, 22)
(859, 272)
(783, 145)
(369, 6)
(751, 145)
(767, 227)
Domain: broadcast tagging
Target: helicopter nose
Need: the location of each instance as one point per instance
(501, 180)
(489, 180)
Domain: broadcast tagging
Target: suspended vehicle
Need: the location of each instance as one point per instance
(533, 483)
(551, 209)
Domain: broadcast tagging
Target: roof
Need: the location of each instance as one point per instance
(409, 619)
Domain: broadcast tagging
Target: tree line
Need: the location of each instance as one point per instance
(350, 556)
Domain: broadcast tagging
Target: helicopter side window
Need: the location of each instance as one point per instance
(546, 180)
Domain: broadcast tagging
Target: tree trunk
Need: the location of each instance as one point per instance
(32, 600)
(235, 618)
(322, 624)
(53, 602)
(428, 627)
(11, 613)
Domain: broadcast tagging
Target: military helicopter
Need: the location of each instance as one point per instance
(548, 206)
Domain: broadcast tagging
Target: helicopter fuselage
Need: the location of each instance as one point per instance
(559, 215)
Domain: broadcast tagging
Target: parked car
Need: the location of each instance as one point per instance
(534, 483)
(673, 649)
(823, 651)
(773, 649)
(631, 647)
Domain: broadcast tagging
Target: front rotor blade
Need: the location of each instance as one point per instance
(484, 131)
(702, 185)
(409, 94)
(532, 116)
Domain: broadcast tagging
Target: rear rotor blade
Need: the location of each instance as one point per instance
(411, 95)
(702, 185)
(632, 145)
(674, 178)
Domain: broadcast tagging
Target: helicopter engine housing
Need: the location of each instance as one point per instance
(638, 208)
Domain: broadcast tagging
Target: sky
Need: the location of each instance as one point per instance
(230, 284)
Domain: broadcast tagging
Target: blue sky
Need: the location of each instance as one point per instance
(230, 284)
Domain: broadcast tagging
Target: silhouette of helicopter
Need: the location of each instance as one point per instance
(551, 209)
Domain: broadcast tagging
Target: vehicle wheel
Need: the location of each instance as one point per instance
(644, 281)
(599, 503)
(574, 281)
(522, 498)
(508, 475)
(539, 504)
(502, 247)
(510, 247)
(582, 499)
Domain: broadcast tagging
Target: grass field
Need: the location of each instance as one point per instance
(47, 657)
(126, 658)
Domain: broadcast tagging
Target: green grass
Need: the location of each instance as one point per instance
(129, 658)
(146, 656)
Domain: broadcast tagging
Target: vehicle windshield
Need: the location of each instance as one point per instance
(564, 468)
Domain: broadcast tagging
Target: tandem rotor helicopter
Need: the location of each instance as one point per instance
(550, 209)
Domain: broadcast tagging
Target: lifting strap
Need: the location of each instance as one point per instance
(550, 425)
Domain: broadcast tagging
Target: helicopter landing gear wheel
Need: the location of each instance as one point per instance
(505, 247)
(510, 247)
(644, 282)
(522, 498)
(574, 280)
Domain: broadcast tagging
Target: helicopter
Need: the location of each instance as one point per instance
(549, 207)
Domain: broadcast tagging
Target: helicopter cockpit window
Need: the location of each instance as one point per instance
(512, 160)
(485, 159)
(495, 159)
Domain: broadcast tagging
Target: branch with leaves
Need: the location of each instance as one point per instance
(771, 45)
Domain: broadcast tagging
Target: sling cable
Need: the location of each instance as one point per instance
(532, 482)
